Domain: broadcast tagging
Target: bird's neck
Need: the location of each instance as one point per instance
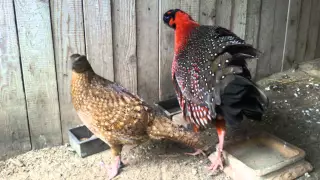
(182, 32)
(80, 80)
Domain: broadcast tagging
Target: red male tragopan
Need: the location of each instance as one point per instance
(211, 78)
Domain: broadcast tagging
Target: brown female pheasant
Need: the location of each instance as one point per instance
(211, 78)
(117, 116)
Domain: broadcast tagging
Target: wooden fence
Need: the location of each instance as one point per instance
(126, 41)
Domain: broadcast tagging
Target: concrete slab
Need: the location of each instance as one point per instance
(263, 156)
(290, 172)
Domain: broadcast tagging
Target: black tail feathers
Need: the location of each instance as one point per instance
(242, 97)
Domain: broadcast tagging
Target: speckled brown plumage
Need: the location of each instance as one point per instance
(115, 115)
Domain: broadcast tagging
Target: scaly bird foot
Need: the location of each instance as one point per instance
(217, 161)
(113, 169)
(198, 151)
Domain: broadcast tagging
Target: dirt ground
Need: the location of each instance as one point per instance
(293, 115)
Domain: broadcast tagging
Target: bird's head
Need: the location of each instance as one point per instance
(80, 63)
(174, 17)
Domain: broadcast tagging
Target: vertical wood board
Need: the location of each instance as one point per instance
(313, 31)
(192, 7)
(148, 50)
(124, 40)
(14, 133)
(291, 34)
(39, 75)
(166, 45)
(278, 37)
(98, 34)
(224, 13)
(68, 38)
(305, 13)
(207, 12)
(239, 18)
(265, 37)
(252, 30)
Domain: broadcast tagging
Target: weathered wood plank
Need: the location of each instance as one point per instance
(124, 36)
(192, 7)
(239, 18)
(265, 37)
(318, 46)
(291, 34)
(278, 37)
(166, 45)
(148, 49)
(207, 12)
(252, 30)
(313, 31)
(98, 31)
(253, 22)
(14, 131)
(166, 42)
(224, 13)
(68, 36)
(37, 56)
(303, 30)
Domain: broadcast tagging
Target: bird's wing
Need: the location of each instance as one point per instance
(203, 69)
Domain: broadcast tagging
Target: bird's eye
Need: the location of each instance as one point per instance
(167, 18)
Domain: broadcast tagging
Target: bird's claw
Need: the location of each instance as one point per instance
(113, 169)
(197, 152)
(216, 162)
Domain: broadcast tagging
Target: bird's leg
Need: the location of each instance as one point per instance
(221, 130)
(114, 168)
(197, 151)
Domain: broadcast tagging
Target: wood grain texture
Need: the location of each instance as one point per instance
(166, 45)
(14, 131)
(239, 18)
(207, 12)
(317, 55)
(313, 32)
(265, 37)
(303, 30)
(291, 34)
(68, 37)
(124, 36)
(148, 50)
(252, 30)
(37, 56)
(278, 38)
(224, 13)
(98, 31)
(192, 7)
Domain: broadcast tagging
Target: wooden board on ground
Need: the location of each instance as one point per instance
(39, 75)
(14, 131)
(68, 37)
(124, 36)
(148, 50)
(98, 34)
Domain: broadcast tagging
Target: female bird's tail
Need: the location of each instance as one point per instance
(163, 128)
